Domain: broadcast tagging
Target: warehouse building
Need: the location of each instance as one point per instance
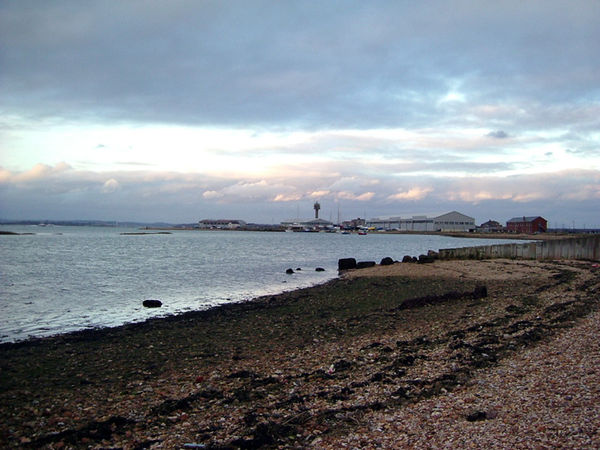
(452, 221)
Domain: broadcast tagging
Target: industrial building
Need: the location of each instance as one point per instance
(529, 225)
(452, 221)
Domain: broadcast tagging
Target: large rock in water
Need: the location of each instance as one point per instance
(346, 264)
(152, 303)
(387, 261)
(365, 264)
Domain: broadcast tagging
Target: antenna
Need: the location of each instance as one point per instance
(317, 207)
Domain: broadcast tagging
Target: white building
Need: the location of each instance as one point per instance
(306, 224)
(222, 224)
(452, 221)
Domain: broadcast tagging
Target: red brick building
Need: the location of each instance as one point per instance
(529, 225)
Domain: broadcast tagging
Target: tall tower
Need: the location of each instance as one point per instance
(317, 208)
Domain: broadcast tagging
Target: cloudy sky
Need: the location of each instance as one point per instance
(182, 110)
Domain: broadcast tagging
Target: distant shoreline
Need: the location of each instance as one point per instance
(161, 226)
(474, 235)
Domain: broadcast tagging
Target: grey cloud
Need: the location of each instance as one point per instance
(585, 150)
(498, 134)
(271, 63)
(579, 119)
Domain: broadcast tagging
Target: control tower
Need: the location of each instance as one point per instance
(317, 208)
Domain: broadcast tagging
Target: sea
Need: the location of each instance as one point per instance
(59, 279)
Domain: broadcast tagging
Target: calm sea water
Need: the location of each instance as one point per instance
(63, 279)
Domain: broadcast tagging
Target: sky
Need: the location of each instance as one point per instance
(178, 111)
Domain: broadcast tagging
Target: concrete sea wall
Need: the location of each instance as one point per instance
(587, 248)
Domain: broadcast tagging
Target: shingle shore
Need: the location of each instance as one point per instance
(344, 364)
(547, 396)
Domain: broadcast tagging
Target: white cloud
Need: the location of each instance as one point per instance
(287, 197)
(364, 197)
(41, 171)
(317, 194)
(110, 186)
(526, 197)
(585, 192)
(211, 195)
(412, 194)
(184, 195)
(5, 175)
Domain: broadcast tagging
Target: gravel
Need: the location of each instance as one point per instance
(545, 397)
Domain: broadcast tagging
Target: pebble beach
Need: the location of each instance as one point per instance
(453, 354)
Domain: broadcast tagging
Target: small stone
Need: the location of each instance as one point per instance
(480, 291)
(476, 416)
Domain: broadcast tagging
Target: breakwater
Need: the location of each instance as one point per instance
(585, 248)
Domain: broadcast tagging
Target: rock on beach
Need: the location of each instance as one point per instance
(152, 303)
(346, 264)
